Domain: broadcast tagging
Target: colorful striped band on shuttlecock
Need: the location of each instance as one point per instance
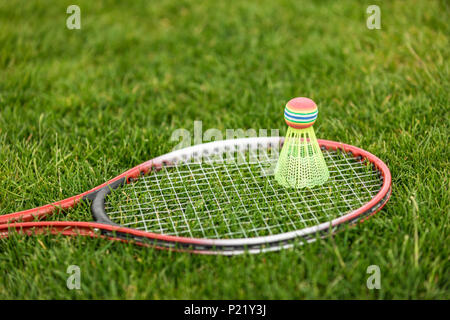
(300, 113)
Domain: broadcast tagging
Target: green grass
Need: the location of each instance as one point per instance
(78, 107)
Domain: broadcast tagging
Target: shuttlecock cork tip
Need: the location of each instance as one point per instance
(300, 113)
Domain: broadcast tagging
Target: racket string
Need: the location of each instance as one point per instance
(217, 198)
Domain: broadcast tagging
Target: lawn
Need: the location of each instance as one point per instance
(78, 107)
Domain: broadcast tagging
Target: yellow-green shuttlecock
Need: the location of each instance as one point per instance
(301, 163)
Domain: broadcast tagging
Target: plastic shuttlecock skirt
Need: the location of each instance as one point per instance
(301, 163)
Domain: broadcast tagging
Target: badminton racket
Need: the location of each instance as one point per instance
(219, 198)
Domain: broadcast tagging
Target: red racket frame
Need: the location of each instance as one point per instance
(20, 221)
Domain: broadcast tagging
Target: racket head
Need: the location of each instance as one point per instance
(169, 225)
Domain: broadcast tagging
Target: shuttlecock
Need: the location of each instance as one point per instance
(301, 163)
